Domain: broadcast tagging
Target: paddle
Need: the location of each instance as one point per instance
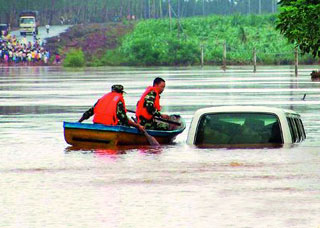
(161, 119)
(151, 140)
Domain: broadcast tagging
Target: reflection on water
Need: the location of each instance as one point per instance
(116, 150)
(171, 186)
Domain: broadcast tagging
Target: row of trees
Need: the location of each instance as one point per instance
(299, 22)
(83, 11)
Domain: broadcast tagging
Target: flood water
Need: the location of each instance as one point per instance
(45, 183)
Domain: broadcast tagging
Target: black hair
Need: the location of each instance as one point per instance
(157, 81)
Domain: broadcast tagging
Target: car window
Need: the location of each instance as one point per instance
(238, 128)
(304, 133)
(296, 137)
(300, 128)
(295, 130)
(299, 131)
(293, 135)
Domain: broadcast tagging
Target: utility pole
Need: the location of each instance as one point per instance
(160, 8)
(296, 61)
(202, 7)
(254, 60)
(260, 6)
(169, 10)
(201, 47)
(224, 60)
(154, 9)
(249, 6)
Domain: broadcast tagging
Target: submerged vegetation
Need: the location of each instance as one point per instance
(179, 42)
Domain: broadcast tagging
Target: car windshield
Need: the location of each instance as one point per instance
(27, 21)
(238, 128)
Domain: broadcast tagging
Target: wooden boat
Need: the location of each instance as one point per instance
(85, 134)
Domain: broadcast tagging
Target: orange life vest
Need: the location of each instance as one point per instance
(141, 110)
(105, 111)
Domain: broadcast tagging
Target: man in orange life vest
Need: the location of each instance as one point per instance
(111, 110)
(148, 106)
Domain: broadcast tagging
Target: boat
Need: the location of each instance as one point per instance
(87, 134)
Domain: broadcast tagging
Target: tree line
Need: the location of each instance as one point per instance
(99, 11)
(299, 22)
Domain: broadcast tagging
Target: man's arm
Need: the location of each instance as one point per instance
(123, 118)
(121, 114)
(88, 113)
(149, 104)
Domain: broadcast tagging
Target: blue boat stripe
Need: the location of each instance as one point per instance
(101, 127)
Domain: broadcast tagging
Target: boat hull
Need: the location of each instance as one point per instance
(78, 134)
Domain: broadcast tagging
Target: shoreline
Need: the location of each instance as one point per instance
(29, 64)
(302, 67)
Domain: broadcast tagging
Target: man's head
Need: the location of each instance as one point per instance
(159, 84)
(117, 88)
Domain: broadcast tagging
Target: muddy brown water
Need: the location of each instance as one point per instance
(46, 183)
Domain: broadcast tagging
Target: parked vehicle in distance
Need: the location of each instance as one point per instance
(245, 125)
(28, 22)
(4, 29)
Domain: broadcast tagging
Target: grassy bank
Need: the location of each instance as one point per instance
(159, 42)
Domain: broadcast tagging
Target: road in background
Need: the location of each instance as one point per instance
(54, 30)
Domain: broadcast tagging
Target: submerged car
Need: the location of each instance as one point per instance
(245, 125)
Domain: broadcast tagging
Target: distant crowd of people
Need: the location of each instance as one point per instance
(15, 52)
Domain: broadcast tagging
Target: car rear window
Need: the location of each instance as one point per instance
(238, 128)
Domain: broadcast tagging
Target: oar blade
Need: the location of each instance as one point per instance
(152, 141)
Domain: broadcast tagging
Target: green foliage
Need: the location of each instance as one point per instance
(299, 21)
(242, 35)
(110, 58)
(153, 43)
(101, 11)
(74, 58)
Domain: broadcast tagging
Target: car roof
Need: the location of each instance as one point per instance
(244, 108)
